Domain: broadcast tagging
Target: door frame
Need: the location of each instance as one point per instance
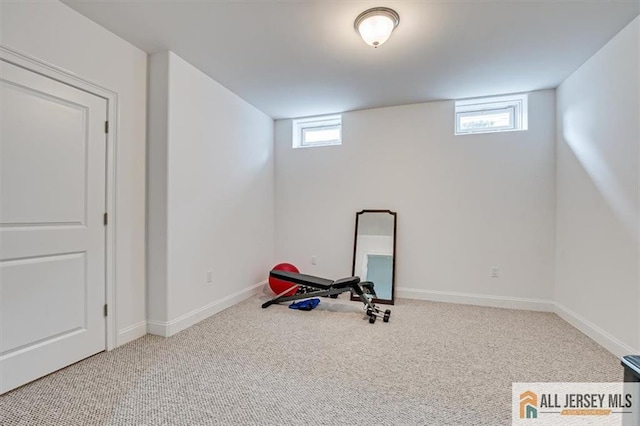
(53, 72)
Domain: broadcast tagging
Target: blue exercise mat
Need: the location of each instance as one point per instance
(305, 305)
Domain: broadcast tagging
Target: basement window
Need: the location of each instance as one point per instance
(317, 131)
(494, 114)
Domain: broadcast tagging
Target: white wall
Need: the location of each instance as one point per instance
(157, 179)
(598, 287)
(219, 194)
(54, 33)
(464, 203)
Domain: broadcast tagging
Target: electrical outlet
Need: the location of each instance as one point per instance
(495, 272)
(209, 276)
(314, 260)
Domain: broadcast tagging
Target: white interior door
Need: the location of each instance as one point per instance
(52, 235)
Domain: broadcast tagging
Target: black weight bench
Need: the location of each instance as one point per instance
(310, 286)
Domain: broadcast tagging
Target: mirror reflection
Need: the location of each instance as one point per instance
(374, 251)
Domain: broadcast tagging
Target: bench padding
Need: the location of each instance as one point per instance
(311, 281)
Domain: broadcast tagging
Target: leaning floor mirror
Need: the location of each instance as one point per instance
(374, 252)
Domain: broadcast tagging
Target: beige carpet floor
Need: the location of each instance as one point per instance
(433, 364)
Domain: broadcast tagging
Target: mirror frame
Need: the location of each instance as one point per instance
(393, 265)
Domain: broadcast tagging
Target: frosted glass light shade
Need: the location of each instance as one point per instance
(375, 25)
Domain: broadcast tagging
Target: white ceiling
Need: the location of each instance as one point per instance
(293, 58)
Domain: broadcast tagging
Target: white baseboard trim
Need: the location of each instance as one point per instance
(185, 321)
(476, 299)
(594, 332)
(131, 333)
(157, 328)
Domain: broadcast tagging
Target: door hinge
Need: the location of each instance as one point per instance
(106, 127)
(105, 219)
(105, 310)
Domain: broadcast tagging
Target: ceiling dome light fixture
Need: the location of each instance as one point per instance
(375, 25)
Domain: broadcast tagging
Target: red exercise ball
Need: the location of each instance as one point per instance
(277, 285)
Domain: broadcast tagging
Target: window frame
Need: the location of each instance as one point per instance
(302, 126)
(516, 105)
